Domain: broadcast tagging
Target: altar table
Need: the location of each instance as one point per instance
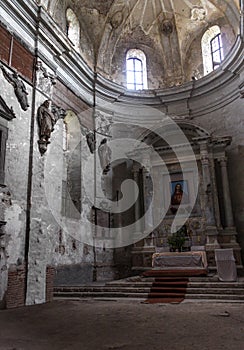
(191, 259)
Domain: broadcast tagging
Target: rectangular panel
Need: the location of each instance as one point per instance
(22, 60)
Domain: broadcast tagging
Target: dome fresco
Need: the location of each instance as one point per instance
(169, 32)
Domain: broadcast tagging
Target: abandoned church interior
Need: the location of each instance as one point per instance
(121, 142)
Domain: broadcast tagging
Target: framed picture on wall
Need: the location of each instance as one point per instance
(179, 192)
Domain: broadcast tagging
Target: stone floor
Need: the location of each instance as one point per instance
(91, 324)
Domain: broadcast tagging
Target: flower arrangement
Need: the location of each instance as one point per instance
(177, 239)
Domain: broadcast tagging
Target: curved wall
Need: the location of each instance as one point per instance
(213, 102)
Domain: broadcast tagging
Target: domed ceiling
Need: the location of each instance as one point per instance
(169, 32)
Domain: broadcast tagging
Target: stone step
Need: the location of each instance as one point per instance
(221, 287)
(191, 288)
(167, 290)
(87, 289)
(144, 283)
(207, 296)
(130, 284)
(196, 289)
(166, 295)
(216, 284)
(111, 294)
(169, 285)
(236, 291)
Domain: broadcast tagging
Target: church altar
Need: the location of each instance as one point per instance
(193, 259)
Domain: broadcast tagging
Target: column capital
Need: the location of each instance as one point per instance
(203, 142)
(222, 160)
(204, 157)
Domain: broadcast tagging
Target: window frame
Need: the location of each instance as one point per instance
(219, 50)
(137, 74)
(136, 79)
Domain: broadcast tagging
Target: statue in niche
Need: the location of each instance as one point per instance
(46, 121)
(19, 88)
(90, 138)
(104, 153)
(47, 118)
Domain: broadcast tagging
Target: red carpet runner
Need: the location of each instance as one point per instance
(170, 285)
(168, 290)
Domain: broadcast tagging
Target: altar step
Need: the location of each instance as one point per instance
(197, 289)
(171, 272)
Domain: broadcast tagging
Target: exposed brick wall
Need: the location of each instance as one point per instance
(15, 295)
(21, 59)
(49, 283)
(5, 43)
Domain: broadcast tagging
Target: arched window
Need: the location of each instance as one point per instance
(212, 49)
(65, 136)
(72, 27)
(136, 70)
(217, 51)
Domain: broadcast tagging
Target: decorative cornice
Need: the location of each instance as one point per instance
(55, 49)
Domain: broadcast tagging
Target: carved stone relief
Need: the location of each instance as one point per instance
(91, 141)
(104, 153)
(116, 19)
(5, 111)
(44, 79)
(198, 14)
(19, 88)
(167, 27)
(103, 123)
(47, 116)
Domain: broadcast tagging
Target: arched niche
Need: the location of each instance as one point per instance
(71, 194)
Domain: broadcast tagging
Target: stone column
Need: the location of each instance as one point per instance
(229, 229)
(144, 248)
(211, 229)
(137, 212)
(147, 196)
(215, 192)
(229, 222)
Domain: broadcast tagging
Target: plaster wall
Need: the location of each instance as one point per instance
(14, 194)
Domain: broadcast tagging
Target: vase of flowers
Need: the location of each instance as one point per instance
(177, 240)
